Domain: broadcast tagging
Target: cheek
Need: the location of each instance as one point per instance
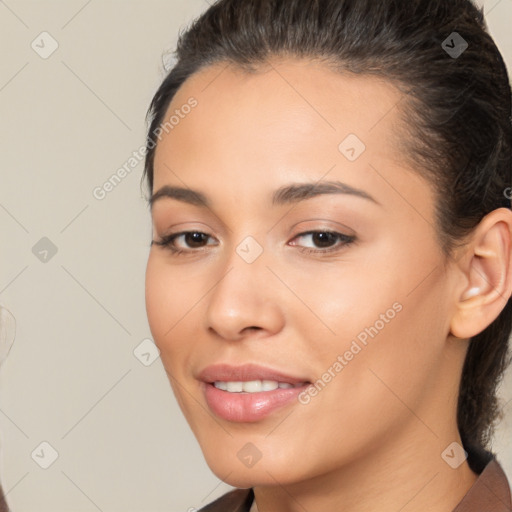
(348, 295)
(166, 299)
(165, 303)
(169, 294)
(388, 364)
(171, 301)
(387, 314)
(156, 297)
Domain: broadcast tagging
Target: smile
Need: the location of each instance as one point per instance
(254, 386)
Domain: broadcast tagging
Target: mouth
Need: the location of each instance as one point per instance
(247, 373)
(254, 386)
(249, 393)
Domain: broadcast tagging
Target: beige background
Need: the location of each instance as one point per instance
(67, 123)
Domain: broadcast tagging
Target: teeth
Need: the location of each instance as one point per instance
(253, 386)
(235, 387)
(221, 385)
(269, 385)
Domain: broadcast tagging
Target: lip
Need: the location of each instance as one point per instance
(246, 372)
(248, 407)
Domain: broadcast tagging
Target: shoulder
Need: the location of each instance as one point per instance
(3, 504)
(238, 500)
(491, 490)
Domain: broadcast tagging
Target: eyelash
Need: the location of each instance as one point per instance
(168, 241)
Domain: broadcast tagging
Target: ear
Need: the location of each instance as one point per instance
(486, 267)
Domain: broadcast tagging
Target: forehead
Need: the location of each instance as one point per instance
(249, 134)
(306, 97)
(288, 114)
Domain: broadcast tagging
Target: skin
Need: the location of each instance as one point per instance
(372, 438)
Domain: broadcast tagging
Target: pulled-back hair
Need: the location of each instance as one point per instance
(457, 108)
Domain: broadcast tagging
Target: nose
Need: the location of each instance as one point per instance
(246, 299)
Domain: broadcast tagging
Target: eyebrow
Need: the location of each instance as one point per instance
(288, 194)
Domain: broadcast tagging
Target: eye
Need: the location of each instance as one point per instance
(193, 240)
(326, 240)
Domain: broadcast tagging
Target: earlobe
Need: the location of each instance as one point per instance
(487, 269)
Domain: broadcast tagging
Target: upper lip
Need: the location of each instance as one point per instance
(244, 373)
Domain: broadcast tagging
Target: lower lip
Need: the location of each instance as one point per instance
(248, 407)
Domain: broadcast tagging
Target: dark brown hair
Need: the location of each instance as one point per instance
(457, 108)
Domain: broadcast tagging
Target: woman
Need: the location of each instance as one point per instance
(330, 274)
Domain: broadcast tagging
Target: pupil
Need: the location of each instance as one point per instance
(195, 238)
(323, 239)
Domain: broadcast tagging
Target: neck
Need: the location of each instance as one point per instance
(404, 473)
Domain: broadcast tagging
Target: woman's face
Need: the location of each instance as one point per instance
(356, 321)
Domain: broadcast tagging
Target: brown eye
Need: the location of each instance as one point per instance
(192, 239)
(322, 239)
(325, 240)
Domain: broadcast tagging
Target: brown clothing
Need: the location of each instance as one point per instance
(3, 504)
(490, 492)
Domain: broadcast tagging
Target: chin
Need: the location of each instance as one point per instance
(249, 477)
(266, 471)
